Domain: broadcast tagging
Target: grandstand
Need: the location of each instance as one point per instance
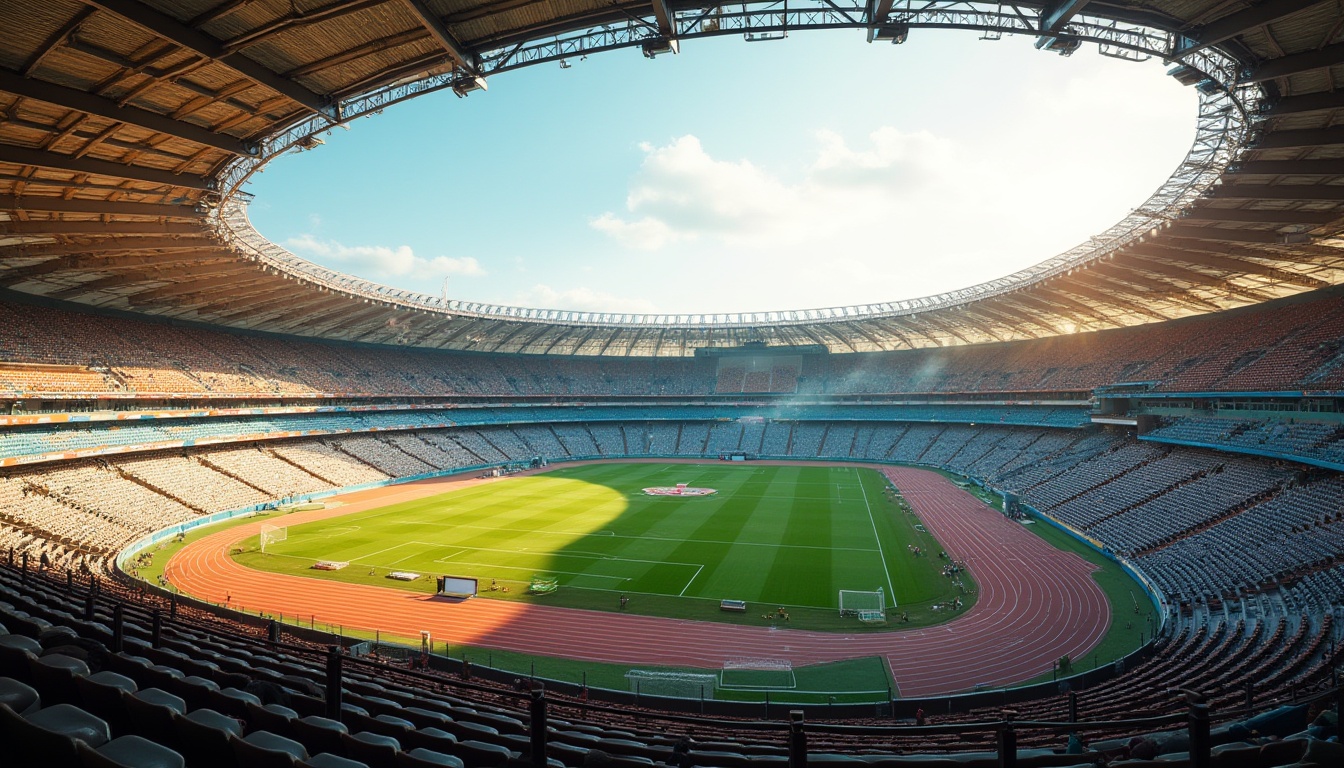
(1169, 391)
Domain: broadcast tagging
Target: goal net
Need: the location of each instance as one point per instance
(853, 601)
(676, 685)
(757, 674)
(270, 534)
(543, 585)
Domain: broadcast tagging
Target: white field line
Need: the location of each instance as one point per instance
(688, 583)
(891, 591)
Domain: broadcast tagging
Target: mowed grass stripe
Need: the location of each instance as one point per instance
(774, 536)
(731, 570)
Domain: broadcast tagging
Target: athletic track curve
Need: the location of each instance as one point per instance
(1035, 605)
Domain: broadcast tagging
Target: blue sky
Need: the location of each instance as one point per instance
(813, 171)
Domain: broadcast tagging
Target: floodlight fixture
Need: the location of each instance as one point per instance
(1186, 74)
(657, 46)
(1063, 45)
(467, 84)
(895, 33)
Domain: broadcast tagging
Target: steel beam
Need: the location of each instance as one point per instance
(109, 228)
(1121, 272)
(663, 14)
(1225, 264)
(1328, 167)
(1322, 192)
(305, 310)
(176, 32)
(1058, 293)
(70, 98)
(60, 36)
(1255, 216)
(1319, 137)
(1296, 63)
(92, 166)
(140, 271)
(112, 245)
(1255, 268)
(1233, 24)
(1220, 234)
(1306, 102)
(449, 42)
(1159, 265)
(235, 276)
(1057, 14)
(76, 205)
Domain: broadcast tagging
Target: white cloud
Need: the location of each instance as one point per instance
(384, 263)
(581, 299)
(682, 194)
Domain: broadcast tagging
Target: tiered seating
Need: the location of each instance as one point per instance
(1300, 528)
(182, 477)
(1306, 440)
(1283, 346)
(730, 379)
(259, 469)
(387, 459)
(336, 467)
(1206, 498)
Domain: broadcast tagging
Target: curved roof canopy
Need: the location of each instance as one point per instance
(128, 129)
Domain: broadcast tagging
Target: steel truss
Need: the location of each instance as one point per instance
(1227, 109)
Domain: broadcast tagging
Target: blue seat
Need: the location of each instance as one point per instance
(263, 749)
(20, 697)
(129, 752)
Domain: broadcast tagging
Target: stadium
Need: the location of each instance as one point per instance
(257, 511)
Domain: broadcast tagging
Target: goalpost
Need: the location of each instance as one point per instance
(270, 534)
(757, 674)
(675, 685)
(857, 603)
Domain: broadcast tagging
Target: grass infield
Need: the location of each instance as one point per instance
(774, 536)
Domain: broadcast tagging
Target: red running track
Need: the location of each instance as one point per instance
(1035, 605)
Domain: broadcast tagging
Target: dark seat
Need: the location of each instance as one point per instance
(425, 718)
(480, 754)
(151, 711)
(328, 760)
(54, 677)
(20, 697)
(271, 717)
(425, 758)
(16, 651)
(196, 692)
(320, 734)
(205, 736)
(373, 749)
(129, 752)
(49, 736)
(52, 637)
(463, 729)
(103, 694)
(432, 739)
(264, 749)
(232, 701)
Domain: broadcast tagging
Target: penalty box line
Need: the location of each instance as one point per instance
(614, 535)
(598, 558)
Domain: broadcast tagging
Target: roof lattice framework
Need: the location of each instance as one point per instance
(128, 128)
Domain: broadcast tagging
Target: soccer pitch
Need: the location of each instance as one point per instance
(790, 536)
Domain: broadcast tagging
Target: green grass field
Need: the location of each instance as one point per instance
(773, 536)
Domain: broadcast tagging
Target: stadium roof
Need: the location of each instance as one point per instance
(127, 130)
